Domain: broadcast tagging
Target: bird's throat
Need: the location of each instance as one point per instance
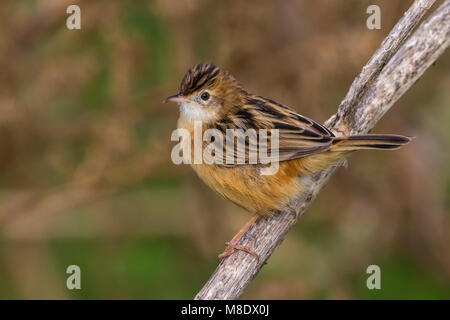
(192, 112)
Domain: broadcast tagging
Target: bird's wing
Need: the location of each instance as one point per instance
(298, 136)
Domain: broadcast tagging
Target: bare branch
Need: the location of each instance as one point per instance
(385, 78)
(385, 51)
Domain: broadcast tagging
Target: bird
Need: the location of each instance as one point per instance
(214, 98)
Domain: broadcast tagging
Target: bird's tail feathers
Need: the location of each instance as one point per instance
(369, 141)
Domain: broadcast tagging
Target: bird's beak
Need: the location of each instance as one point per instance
(175, 98)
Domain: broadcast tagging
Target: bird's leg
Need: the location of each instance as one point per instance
(233, 244)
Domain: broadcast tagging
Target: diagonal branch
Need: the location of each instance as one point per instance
(372, 69)
(394, 67)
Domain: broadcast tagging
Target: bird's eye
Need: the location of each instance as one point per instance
(205, 96)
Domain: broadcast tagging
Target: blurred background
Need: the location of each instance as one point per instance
(86, 177)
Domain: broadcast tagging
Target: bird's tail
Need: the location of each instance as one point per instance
(369, 141)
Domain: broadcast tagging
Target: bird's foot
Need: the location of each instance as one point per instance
(232, 246)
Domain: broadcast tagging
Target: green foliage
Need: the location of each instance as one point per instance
(143, 25)
(133, 268)
(402, 278)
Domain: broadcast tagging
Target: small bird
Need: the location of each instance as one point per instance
(213, 97)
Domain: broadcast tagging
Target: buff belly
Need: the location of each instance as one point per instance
(265, 194)
(246, 187)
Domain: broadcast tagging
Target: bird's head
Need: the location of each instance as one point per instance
(206, 93)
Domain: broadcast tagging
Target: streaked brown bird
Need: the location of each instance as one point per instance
(214, 98)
